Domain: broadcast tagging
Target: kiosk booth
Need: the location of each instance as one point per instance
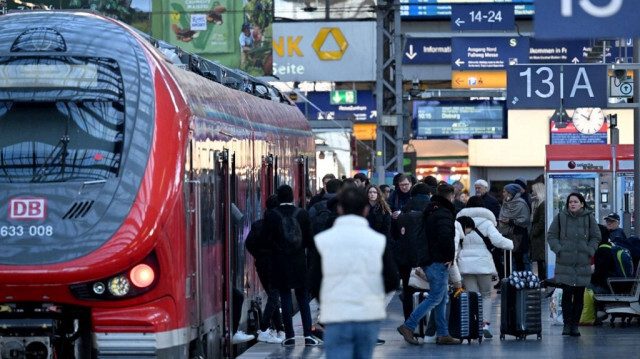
(602, 173)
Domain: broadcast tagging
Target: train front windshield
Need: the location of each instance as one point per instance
(61, 119)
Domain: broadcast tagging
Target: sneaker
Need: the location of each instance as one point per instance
(289, 342)
(312, 341)
(268, 337)
(486, 331)
(407, 334)
(280, 335)
(447, 340)
(380, 341)
(241, 337)
(429, 339)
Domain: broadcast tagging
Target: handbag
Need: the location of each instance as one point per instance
(417, 281)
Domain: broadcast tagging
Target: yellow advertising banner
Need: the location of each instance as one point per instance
(364, 131)
(478, 79)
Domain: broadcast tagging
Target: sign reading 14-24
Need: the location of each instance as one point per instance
(544, 86)
(587, 19)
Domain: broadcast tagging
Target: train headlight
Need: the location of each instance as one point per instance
(119, 286)
(98, 288)
(142, 275)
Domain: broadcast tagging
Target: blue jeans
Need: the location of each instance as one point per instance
(287, 311)
(438, 275)
(349, 340)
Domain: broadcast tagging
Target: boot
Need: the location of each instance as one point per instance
(566, 330)
(574, 331)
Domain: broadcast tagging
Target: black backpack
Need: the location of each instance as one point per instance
(252, 243)
(290, 238)
(322, 218)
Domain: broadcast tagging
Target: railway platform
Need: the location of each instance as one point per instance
(595, 342)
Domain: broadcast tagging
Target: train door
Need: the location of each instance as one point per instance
(193, 281)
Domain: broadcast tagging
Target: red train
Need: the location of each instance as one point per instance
(129, 181)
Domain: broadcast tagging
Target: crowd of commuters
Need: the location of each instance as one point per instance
(458, 242)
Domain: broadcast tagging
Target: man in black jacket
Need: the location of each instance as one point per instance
(289, 265)
(435, 257)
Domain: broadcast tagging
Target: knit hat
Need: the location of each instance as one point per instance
(521, 182)
(512, 188)
(482, 182)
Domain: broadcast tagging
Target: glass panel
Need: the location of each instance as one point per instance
(564, 185)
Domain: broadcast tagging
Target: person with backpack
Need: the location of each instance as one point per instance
(475, 260)
(262, 253)
(288, 232)
(616, 233)
(574, 237)
(604, 264)
(435, 259)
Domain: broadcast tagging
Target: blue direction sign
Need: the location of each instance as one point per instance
(566, 51)
(543, 86)
(484, 16)
(587, 19)
(480, 53)
(427, 51)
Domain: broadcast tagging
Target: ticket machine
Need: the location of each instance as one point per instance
(624, 195)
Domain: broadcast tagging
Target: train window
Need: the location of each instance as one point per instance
(52, 131)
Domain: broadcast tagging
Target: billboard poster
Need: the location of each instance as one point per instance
(325, 9)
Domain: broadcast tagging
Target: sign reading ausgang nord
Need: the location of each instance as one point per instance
(586, 19)
(481, 53)
(543, 86)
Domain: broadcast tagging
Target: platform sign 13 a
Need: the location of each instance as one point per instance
(542, 86)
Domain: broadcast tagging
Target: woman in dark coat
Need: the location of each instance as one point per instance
(379, 216)
(574, 237)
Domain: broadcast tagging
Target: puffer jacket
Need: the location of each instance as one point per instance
(474, 257)
(574, 239)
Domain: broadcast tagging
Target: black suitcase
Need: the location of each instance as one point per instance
(465, 318)
(418, 297)
(521, 311)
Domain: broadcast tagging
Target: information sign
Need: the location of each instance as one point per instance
(344, 97)
(427, 51)
(543, 86)
(480, 53)
(483, 16)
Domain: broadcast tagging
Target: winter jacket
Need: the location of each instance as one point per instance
(440, 230)
(289, 270)
(354, 272)
(574, 239)
(474, 257)
(604, 261)
(379, 220)
(397, 200)
(492, 204)
(538, 228)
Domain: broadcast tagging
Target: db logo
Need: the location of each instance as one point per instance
(27, 208)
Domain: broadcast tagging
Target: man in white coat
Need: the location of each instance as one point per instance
(352, 270)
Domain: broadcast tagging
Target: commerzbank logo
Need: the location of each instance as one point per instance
(322, 41)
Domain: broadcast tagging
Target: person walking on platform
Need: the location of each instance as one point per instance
(400, 196)
(350, 276)
(514, 223)
(574, 237)
(379, 216)
(538, 229)
(403, 252)
(262, 253)
(318, 197)
(436, 261)
(288, 230)
(475, 260)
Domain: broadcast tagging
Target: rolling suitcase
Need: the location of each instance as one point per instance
(465, 318)
(521, 313)
(418, 297)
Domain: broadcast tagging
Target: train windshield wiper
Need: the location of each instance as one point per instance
(57, 155)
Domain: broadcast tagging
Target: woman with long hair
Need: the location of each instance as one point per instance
(574, 237)
(379, 216)
(538, 228)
